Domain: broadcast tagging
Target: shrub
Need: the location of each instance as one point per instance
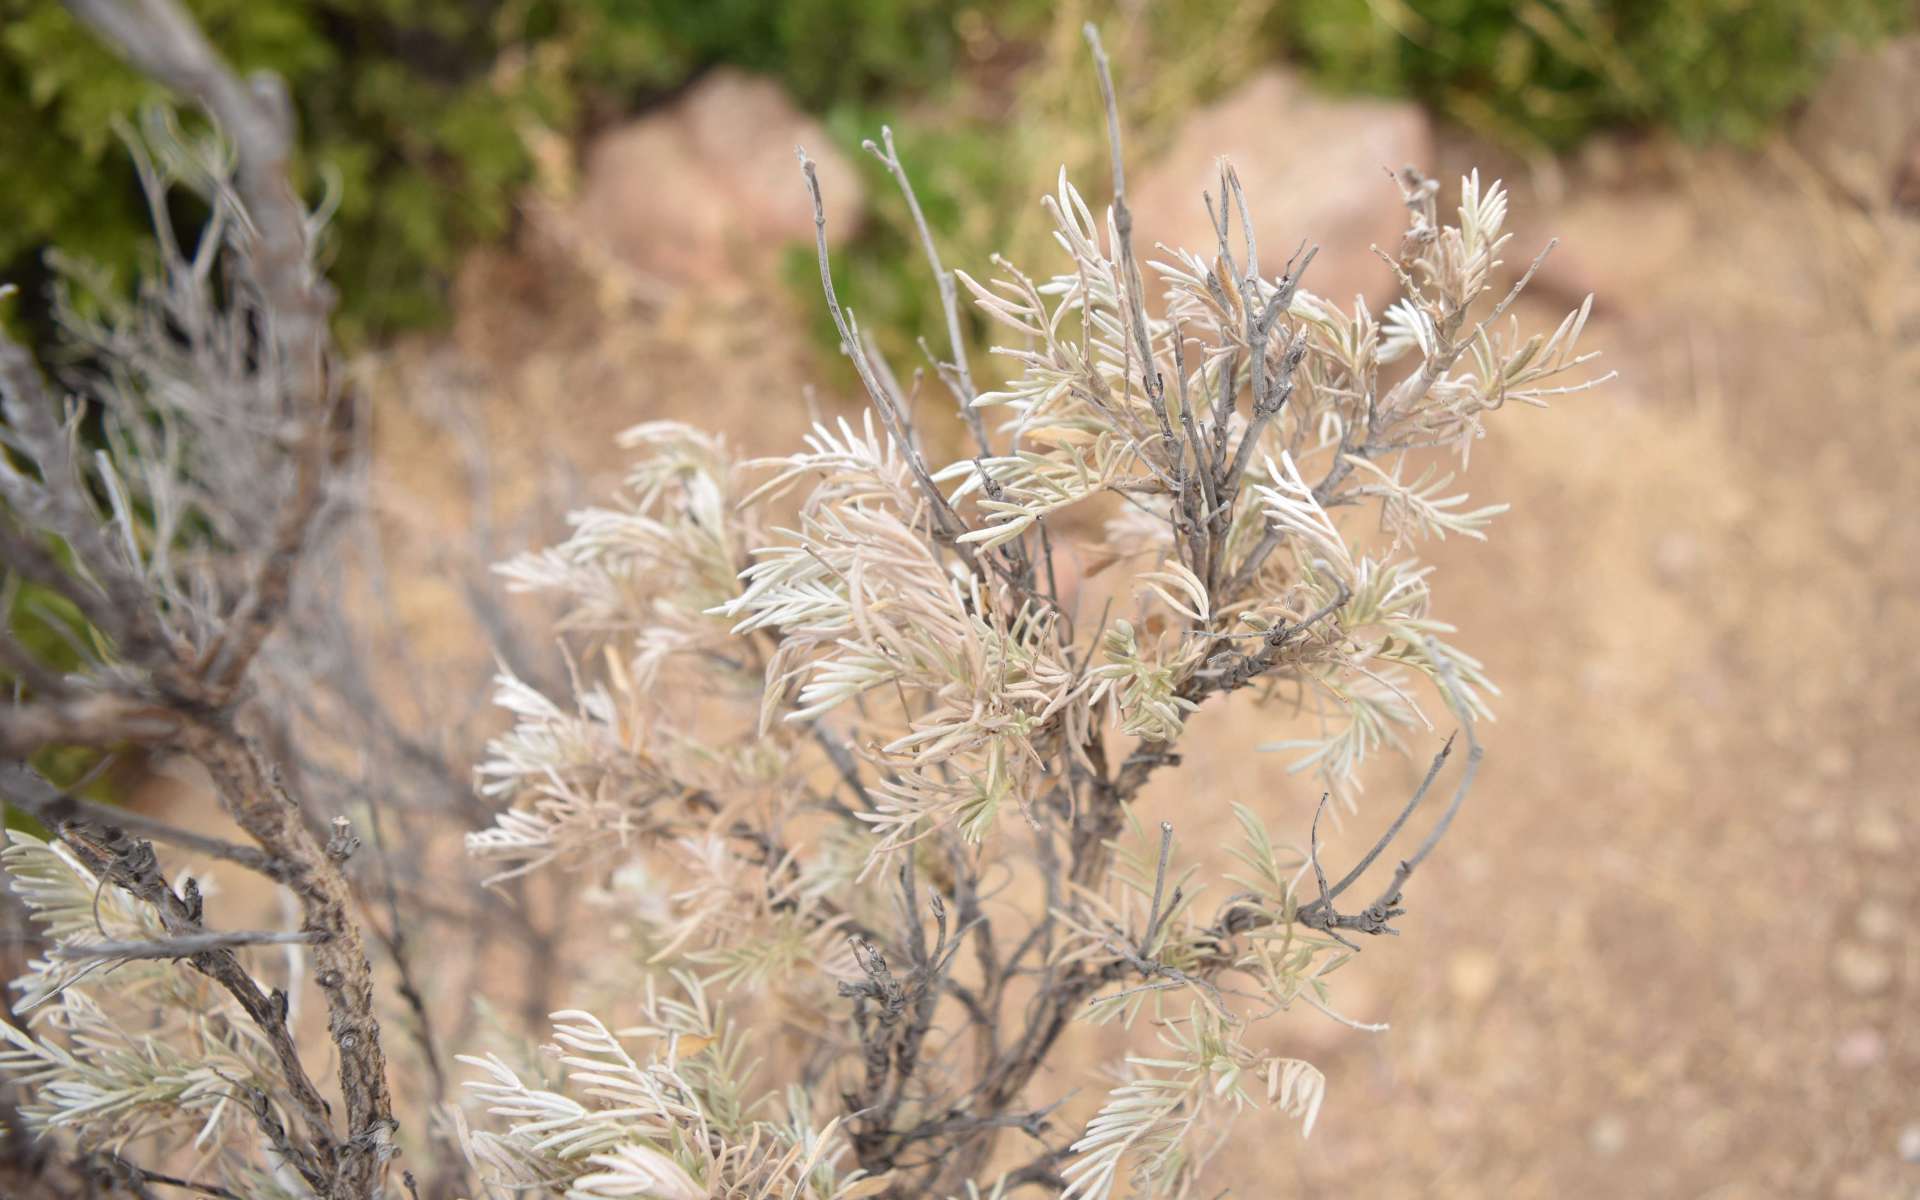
(416, 111)
(840, 739)
(1547, 72)
(402, 111)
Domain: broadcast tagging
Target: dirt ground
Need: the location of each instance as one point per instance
(1672, 947)
(1673, 951)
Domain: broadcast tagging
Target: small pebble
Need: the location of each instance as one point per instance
(1471, 976)
(1608, 1135)
(1861, 969)
(1675, 557)
(1860, 1049)
(1909, 1144)
(1833, 762)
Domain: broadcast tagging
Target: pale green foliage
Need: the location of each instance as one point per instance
(639, 577)
(116, 1051)
(793, 678)
(1173, 1113)
(887, 635)
(1143, 683)
(656, 1111)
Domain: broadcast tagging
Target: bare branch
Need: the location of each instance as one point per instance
(88, 720)
(53, 809)
(130, 865)
(961, 378)
(187, 945)
(946, 522)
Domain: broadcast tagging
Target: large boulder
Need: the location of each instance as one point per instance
(1315, 168)
(706, 191)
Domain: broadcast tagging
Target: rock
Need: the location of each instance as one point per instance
(706, 191)
(1861, 969)
(1313, 167)
(1859, 127)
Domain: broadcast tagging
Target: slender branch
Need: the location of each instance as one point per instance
(1230, 670)
(1032, 1122)
(1123, 228)
(1393, 830)
(132, 1172)
(961, 380)
(1154, 912)
(946, 521)
(131, 865)
(396, 942)
(187, 945)
(30, 792)
(94, 719)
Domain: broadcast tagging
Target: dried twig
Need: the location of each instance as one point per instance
(187, 945)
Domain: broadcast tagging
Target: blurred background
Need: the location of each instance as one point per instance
(1673, 948)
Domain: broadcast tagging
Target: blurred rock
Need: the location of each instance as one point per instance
(1860, 521)
(1859, 128)
(707, 191)
(1314, 168)
(1909, 1144)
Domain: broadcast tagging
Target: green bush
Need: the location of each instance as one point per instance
(1546, 72)
(415, 110)
(400, 111)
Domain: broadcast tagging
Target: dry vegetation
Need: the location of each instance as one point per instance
(1678, 929)
(1672, 934)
